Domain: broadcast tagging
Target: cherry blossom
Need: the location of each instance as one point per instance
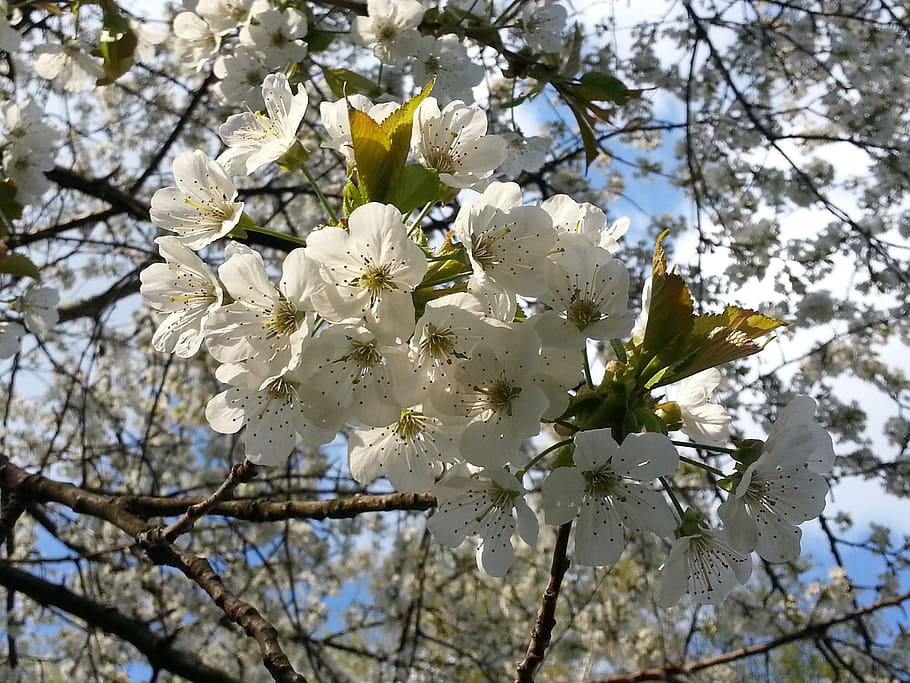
(604, 492)
(201, 208)
(487, 504)
(256, 139)
(186, 289)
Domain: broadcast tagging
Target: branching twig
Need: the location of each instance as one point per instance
(811, 631)
(157, 649)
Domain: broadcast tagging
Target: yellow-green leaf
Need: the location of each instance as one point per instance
(415, 187)
(117, 46)
(372, 154)
(398, 126)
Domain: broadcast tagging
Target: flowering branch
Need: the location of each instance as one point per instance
(546, 616)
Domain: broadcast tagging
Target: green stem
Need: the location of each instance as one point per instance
(322, 197)
(423, 214)
(559, 444)
(703, 446)
(273, 233)
(702, 465)
(584, 354)
(673, 498)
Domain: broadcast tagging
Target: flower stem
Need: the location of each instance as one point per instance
(703, 446)
(584, 355)
(702, 465)
(546, 451)
(322, 198)
(673, 498)
(277, 235)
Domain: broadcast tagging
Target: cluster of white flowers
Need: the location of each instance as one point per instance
(37, 313)
(435, 381)
(27, 149)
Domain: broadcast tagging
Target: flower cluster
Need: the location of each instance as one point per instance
(439, 379)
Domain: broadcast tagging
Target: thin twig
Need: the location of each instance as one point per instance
(239, 474)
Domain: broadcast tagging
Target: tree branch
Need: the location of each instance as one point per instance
(546, 617)
(158, 649)
(813, 631)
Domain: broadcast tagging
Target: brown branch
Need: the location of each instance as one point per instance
(239, 474)
(101, 189)
(546, 616)
(239, 611)
(157, 649)
(161, 552)
(813, 631)
(255, 510)
(13, 507)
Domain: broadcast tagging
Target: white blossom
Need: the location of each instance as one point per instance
(772, 496)
(704, 566)
(588, 291)
(704, 421)
(506, 243)
(495, 390)
(276, 35)
(186, 289)
(410, 451)
(11, 334)
(371, 269)
(486, 504)
(69, 64)
(454, 142)
(263, 321)
(270, 409)
(256, 139)
(446, 60)
(604, 492)
(390, 27)
(201, 208)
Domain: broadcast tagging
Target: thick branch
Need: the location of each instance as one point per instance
(546, 616)
(161, 552)
(159, 650)
(255, 510)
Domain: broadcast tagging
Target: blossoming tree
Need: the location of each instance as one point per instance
(396, 401)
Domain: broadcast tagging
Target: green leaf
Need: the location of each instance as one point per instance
(319, 41)
(398, 126)
(588, 138)
(344, 82)
(18, 265)
(572, 60)
(372, 155)
(352, 198)
(602, 87)
(670, 311)
(10, 209)
(117, 46)
(415, 187)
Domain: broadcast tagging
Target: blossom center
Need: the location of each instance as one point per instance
(483, 248)
(500, 396)
(410, 425)
(376, 280)
(283, 320)
(601, 483)
(438, 343)
(364, 354)
(582, 312)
